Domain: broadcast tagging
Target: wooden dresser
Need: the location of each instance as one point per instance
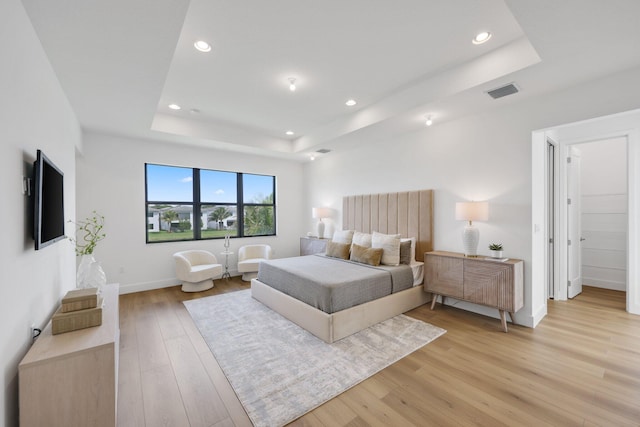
(312, 245)
(71, 379)
(481, 280)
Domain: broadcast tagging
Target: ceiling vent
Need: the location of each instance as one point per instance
(499, 92)
(323, 151)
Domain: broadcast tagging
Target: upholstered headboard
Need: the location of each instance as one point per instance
(409, 214)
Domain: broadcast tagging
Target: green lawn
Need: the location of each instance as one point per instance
(163, 236)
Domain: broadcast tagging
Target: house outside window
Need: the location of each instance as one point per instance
(196, 204)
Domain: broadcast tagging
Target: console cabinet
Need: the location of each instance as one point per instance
(312, 245)
(71, 379)
(480, 280)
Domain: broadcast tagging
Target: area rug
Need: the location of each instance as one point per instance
(279, 371)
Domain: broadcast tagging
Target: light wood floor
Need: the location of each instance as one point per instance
(580, 366)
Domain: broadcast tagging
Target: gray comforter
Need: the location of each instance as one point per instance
(331, 284)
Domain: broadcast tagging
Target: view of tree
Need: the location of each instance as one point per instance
(258, 220)
(169, 217)
(219, 214)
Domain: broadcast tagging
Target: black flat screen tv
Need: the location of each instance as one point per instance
(48, 224)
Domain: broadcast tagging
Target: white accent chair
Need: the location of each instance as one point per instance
(249, 258)
(197, 269)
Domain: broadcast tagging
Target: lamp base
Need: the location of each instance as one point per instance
(470, 239)
(320, 229)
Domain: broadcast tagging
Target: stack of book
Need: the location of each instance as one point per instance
(80, 308)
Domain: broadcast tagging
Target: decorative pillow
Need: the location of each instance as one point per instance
(362, 239)
(390, 244)
(343, 236)
(371, 256)
(338, 250)
(405, 251)
(413, 248)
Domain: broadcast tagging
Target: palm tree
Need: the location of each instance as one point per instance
(219, 214)
(169, 217)
(259, 219)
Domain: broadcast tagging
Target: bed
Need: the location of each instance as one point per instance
(408, 214)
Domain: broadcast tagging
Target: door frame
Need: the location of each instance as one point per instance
(625, 125)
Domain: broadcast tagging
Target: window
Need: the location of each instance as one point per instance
(194, 204)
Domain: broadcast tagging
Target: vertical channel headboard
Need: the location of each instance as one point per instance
(409, 214)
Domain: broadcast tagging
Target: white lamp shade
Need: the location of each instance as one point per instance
(472, 211)
(321, 212)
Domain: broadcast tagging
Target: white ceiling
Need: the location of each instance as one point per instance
(122, 62)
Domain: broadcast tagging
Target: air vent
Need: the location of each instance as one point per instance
(323, 151)
(509, 89)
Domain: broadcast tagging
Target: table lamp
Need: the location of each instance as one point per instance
(471, 211)
(321, 213)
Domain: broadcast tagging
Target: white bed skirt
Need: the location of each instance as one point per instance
(335, 326)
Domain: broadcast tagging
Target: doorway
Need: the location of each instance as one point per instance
(552, 262)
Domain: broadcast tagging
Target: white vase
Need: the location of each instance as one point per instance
(90, 274)
(496, 254)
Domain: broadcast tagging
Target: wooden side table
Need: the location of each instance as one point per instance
(71, 379)
(481, 280)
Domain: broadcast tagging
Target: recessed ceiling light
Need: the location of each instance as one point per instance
(312, 157)
(481, 37)
(292, 84)
(429, 121)
(351, 102)
(289, 132)
(174, 106)
(202, 46)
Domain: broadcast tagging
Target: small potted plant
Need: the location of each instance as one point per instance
(496, 250)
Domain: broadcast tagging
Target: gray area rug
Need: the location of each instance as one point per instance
(280, 371)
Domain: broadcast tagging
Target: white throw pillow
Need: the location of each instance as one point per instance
(390, 244)
(362, 239)
(343, 236)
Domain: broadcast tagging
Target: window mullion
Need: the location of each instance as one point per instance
(197, 207)
(240, 206)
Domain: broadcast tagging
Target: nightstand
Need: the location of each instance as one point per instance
(481, 280)
(312, 245)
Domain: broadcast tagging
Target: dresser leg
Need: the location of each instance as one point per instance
(434, 298)
(503, 319)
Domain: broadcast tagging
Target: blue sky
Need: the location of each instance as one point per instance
(175, 184)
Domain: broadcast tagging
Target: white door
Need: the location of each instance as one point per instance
(574, 264)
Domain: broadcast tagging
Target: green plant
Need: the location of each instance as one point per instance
(495, 246)
(88, 234)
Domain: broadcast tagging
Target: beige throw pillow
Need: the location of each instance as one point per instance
(364, 255)
(338, 250)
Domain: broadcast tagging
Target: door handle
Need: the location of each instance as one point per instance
(582, 239)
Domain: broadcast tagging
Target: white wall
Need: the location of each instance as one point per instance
(111, 181)
(604, 213)
(34, 114)
(482, 157)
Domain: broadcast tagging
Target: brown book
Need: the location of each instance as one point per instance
(74, 320)
(80, 299)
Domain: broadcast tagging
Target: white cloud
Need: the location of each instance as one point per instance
(220, 191)
(187, 179)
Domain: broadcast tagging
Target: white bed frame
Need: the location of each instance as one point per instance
(409, 214)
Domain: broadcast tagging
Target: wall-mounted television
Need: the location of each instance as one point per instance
(48, 216)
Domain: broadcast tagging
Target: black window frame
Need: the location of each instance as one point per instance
(197, 204)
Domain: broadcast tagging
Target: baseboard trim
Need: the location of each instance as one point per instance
(148, 286)
(167, 283)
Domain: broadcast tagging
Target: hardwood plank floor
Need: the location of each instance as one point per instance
(580, 366)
